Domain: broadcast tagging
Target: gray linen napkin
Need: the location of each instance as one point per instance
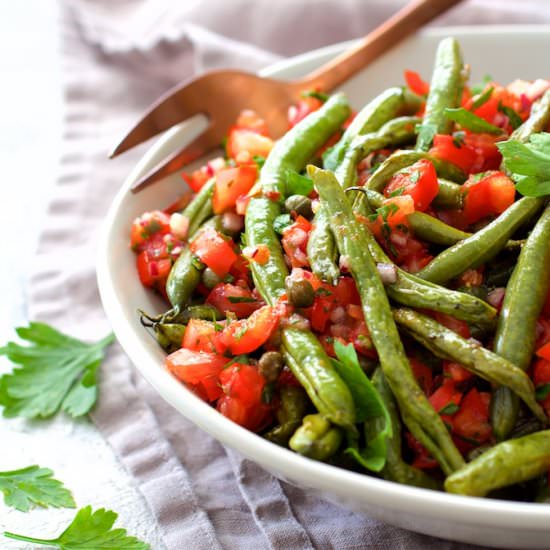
(118, 57)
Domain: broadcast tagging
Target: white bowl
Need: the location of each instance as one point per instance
(505, 53)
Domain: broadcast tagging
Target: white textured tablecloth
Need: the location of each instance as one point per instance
(179, 488)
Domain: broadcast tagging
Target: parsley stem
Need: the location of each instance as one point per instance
(104, 342)
(29, 539)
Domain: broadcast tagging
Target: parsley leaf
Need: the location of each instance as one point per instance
(478, 88)
(482, 98)
(281, 222)
(471, 122)
(528, 164)
(296, 184)
(513, 118)
(89, 530)
(57, 372)
(426, 132)
(241, 299)
(449, 408)
(368, 405)
(34, 485)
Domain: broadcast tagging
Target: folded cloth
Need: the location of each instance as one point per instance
(118, 57)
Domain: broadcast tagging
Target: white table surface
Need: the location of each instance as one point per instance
(31, 128)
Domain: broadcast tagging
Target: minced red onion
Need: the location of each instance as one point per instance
(296, 321)
(387, 272)
(496, 296)
(298, 237)
(344, 262)
(179, 225)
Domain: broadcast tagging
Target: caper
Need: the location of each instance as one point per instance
(299, 204)
(300, 293)
(270, 365)
(210, 279)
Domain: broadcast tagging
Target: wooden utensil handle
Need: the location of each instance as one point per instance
(408, 19)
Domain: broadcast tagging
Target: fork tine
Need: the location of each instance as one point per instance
(208, 140)
(173, 107)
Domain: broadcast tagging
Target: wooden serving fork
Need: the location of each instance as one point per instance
(221, 95)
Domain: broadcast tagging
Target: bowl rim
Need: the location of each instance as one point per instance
(332, 479)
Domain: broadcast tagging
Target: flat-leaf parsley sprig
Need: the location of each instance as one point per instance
(34, 485)
(528, 164)
(89, 530)
(57, 372)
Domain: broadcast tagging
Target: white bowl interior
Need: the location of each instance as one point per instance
(504, 53)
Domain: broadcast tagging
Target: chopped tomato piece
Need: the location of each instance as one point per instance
(456, 372)
(456, 325)
(294, 241)
(544, 351)
(249, 334)
(199, 369)
(203, 335)
(214, 251)
(242, 140)
(452, 150)
(304, 107)
(445, 398)
(419, 181)
(199, 177)
(392, 213)
(487, 194)
(423, 374)
(422, 458)
(153, 272)
(259, 254)
(415, 83)
(252, 121)
(147, 225)
(231, 183)
(472, 419)
(234, 298)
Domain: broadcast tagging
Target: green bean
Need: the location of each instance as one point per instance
(185, 274)
(516, 329)
(306, 359)
(349, 234)
(449, 195)
(303, 353)
(321, 248)
(316, 438)
(200, 311)
(445, 92)
(169, 335)
(537, 121)
(200, 207)
(403, 159)
(412, 291)
(481, 246)
(396, 469)
(291, 411)
(504, 464)
(447, 344)
(377, 112)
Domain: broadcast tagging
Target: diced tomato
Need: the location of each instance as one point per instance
(487, 194)
(304, 107)
(415, 83)
(544, 351)
(456, 325)
(250, 120)
(203, 335)
(152, 272)
(199, 369)
(456, 372)
(423, 374)
(487, 155)
(241, 140)
(422, 458)
(419, 181)
(541, 372)
(396, 214)
(249, 334)
(445, 395)
(472, 419)
(471, 277)
(294, 241)
(213, 250)
(234, 298)
(242, 386)
(231, 183)
(147, 225)
(199, 177)
(452, 150)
